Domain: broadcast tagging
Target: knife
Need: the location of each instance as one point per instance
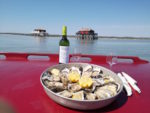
(126, 85)
(129, 78)
(132, 82)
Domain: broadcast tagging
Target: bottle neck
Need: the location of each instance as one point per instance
(64, 36)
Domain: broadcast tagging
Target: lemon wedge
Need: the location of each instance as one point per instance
(85, 82)
(74, 76)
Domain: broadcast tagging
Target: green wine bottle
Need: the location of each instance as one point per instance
(64, 47)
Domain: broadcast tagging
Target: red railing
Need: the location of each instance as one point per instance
(81, 58)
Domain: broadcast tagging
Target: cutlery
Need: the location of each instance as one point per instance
(132, 82)
(126, 85)
(129, 78)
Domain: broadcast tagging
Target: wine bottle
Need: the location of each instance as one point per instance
(64, 47)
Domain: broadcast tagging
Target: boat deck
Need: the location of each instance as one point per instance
(20, 83)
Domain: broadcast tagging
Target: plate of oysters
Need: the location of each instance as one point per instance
(81, 86)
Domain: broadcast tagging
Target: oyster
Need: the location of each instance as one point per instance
(74, 87)
(111, 87)
(98, 82)
(81, 70)
(46, 82)
(90, 90)
(78, 95)
(76, 69)
(56, 78)
(106, 91)
(56, 86)
(52, 75)
(98, 69)
(102, 94)
(65, 71)
(108, 79)
(65, 93)
(64, 79)
(90, 96)
(96, 72)
(46, 74)
(87, 68)
(87, 73)
(114, 85)
(51, 78)
(55, 72)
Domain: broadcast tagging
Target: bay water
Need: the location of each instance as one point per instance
(127, 47)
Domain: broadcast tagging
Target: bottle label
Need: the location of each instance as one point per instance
(63, 54)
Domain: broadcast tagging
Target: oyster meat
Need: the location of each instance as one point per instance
(87, 68)
(98, 82)
(49, 78)
(65, 71)
(74, 87)
(76, 69)
(90, 96)
(64, 79)
(56, 78)
(56, 86)
(96, 72)
(102, 94)
(106, 91)
(55, 72)
(87, 71)
(78, 95)
(108, 79)
(65, 93)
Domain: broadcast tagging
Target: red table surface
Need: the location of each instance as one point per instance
(20, 85)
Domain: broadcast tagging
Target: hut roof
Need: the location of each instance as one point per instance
(39, 29)
(86, 29)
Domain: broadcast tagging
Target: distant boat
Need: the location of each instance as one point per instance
(39, 32)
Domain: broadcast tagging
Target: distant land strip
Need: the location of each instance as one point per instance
(74, 36)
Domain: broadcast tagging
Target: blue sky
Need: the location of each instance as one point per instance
(107, 17)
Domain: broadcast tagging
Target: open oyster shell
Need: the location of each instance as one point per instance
(106, 91)
(66, 93)
(78, 95)
(90, 96)
(74, 87)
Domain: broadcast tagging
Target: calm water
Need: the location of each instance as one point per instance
(14, 43)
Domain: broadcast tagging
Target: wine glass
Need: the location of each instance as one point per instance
(76, 54)
(111, 60)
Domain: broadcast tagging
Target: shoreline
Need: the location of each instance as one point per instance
(74, 36)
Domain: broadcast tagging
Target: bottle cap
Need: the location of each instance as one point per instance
(64, 30)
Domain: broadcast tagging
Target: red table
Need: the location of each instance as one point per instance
(20, 84)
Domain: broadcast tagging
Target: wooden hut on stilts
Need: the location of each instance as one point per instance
(86, 33)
